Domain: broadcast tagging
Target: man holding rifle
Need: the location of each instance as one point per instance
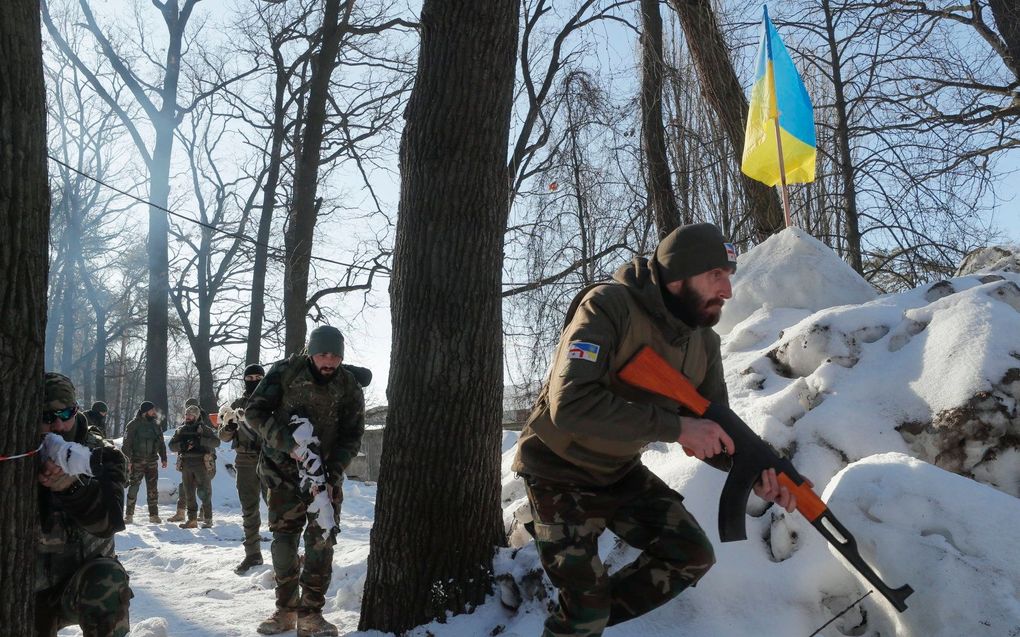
(580, 452)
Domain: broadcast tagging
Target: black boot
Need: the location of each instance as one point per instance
(254, 559)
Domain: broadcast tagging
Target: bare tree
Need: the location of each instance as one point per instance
(725, 93)
(653, 134)
(24, 215)
(439, 481)
(159, 100)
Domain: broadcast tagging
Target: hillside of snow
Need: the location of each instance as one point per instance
(902, 409)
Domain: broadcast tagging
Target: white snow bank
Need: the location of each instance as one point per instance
(791, 269)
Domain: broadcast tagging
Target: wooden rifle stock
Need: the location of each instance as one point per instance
(650, 372)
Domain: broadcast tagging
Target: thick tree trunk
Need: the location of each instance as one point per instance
(845, 160)
(653, 133)
(726, 96)
(1006, 14)
(438, 517)
(24, 222)
(305, 211)
(157, 304)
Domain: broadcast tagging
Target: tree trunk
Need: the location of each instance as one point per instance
(24, 220)
(258, 278)
(653, 134)
(842, 132)
(101, 340)
(726, 96)
(1006, 14)
(438, 516)
(300, 233)
(157, 304)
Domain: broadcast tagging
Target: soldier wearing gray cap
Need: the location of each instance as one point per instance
(306, 401)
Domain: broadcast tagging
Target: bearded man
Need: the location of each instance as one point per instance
(580, 451)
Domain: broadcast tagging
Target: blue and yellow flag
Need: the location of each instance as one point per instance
(778, 92)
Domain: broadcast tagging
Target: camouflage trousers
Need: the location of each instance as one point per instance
(147, 469)
(96, 597)
(196, 479)
(210, 467)
(643, 512)
(249, 489)
(288, 515)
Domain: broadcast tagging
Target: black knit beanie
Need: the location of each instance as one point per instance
(693, 249)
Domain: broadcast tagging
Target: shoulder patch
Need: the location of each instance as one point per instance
(582, 350)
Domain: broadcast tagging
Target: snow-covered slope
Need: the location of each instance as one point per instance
(881, 400)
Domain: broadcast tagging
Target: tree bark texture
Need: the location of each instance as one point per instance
(653, 133)
(726, 96)
(305, 210)
(438, 517)
(24, 222)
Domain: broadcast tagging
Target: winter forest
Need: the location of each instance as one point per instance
(188, 187)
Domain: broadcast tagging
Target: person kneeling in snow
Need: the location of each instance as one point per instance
(310, 414)
(78, 579)
(194, 440)
(580, 451)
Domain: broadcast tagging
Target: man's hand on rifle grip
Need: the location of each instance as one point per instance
(703, 438)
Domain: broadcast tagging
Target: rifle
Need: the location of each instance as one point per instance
(650, 372)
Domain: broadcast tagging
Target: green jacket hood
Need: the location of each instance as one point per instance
(641, 277)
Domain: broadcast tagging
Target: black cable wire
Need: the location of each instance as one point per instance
(238, 235)
(235, 235)
(859, 600)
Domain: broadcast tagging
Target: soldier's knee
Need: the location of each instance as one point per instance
(103, 589)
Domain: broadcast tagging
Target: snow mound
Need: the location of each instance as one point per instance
(1001, 258)
(791, 269)
(940, 533)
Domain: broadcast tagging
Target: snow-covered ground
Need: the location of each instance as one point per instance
(874, 397)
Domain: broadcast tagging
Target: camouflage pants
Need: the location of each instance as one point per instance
(249, 488)
(643, 512)
(288, 515)
(96, 597)
(197, 479)
(147, 469)
(210, 466)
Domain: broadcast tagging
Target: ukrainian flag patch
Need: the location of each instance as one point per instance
(584, 351)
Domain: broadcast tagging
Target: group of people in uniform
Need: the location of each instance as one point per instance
(303, 418)
(299, 426)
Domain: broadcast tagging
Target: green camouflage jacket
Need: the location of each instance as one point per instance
(78, 524)
(194, 439)
(143, 440)
(336, 408)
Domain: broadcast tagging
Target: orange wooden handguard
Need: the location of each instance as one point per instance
(652, 373)
(809, 504)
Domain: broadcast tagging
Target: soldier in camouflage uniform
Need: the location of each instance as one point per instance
(97, 417)
(193, 440)
(143, 444)
(210, 465)
(78, 580)
(315, 387)
(580, 451)
(246, 445)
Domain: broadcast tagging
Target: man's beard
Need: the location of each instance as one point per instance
(692, 308)
(323, 374)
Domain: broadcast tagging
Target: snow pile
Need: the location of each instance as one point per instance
(778, 273)
(995, 258)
